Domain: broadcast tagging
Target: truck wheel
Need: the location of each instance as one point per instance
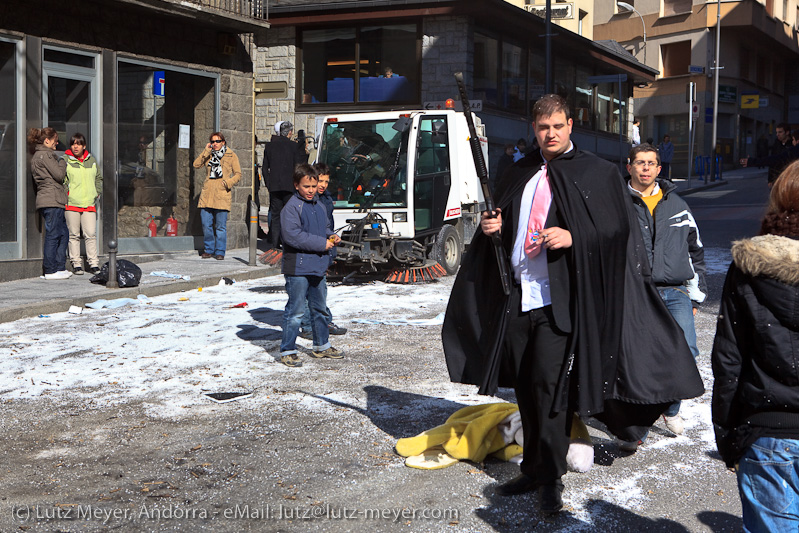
(447, 250)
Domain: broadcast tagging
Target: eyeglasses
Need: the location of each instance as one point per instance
(645, 164)
(217, 141)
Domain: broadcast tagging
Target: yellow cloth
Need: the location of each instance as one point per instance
(470, 433)
(652, 201)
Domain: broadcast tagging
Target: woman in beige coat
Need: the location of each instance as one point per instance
(224, 171)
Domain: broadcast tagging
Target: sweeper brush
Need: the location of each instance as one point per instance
(270, 257)
(419, 274)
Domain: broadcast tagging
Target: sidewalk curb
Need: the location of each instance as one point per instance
(157, 288)
(704, 187)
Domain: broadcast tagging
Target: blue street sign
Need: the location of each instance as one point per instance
(159, 82)
(708, 115)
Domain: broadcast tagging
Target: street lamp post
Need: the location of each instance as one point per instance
(716, 68)
(629, 7)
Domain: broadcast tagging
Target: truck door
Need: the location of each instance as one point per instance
(432, 176)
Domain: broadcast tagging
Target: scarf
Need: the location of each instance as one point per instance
(215, 162)
(82, 158)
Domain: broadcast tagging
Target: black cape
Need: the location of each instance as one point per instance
(628, 358)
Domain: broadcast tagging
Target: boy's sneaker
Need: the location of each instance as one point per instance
(292, 360)
(61, 274)
(675, 424)
(94, 270)
(78, 271)
(335, 330)
(629, 446)
(330, 353)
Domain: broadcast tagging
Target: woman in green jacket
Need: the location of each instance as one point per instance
(84, 184)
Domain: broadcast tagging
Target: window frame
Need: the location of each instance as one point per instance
(356, 104)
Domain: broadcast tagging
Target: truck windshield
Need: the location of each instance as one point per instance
(368, 163)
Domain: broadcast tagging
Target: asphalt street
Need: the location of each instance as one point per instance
(106, 426)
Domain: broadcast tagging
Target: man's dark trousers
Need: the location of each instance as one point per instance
(542, 346)
(277, 201)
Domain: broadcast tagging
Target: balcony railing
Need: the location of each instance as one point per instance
(258, 9)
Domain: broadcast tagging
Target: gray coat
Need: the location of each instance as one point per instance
(48, 172)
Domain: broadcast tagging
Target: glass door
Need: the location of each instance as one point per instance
(70, 97)
(10, 189)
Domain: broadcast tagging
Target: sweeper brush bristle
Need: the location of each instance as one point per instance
(420, 274)
(270, 257)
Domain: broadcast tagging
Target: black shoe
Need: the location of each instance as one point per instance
(94, 270)
(335, 330)
(78, 271)
(551, 498)
(306, 335)
(518, 485)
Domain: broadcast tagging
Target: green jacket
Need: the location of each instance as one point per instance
(84, 181)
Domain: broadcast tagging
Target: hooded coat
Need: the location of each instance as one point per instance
(756, 379)
(48, 172)
(627, 356)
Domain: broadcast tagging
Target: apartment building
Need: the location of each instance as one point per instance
(758, 76)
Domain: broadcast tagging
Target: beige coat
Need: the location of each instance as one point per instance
(216, 193)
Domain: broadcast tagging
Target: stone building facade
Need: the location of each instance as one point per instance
(147, 86)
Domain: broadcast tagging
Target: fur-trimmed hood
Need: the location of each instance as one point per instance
(769, 256)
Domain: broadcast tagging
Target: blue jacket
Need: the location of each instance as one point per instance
(304, 229)
(326, 199)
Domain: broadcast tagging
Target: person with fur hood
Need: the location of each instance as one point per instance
(756, 389)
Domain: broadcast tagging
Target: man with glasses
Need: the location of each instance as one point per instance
(675, 252)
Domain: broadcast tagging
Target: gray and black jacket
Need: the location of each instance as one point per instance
(672, 243)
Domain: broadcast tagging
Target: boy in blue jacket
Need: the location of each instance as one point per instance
(326, 199)
(307, 237)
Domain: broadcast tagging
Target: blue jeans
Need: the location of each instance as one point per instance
(214, 230)
(56, 238)
(680, 307)
(305, 324)
(768, 482)
(302, 289)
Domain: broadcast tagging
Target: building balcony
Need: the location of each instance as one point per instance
(240, 16)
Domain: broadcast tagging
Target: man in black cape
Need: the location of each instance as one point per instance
(598, 342)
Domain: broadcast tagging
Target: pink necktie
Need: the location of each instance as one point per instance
(538, 215)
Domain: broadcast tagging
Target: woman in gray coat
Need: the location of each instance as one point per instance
(48, 172)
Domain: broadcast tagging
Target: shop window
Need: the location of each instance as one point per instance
(778, 80)
(743, 63)
(676, 58)
(486, 54)
(611, 110)
(379, 61)
(8, 140)
(513, 77)
(762, 71)
(156, 176)
(582, 112)
(536, 77)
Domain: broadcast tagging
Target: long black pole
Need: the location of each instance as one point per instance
(482, 173)
(548, 49)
